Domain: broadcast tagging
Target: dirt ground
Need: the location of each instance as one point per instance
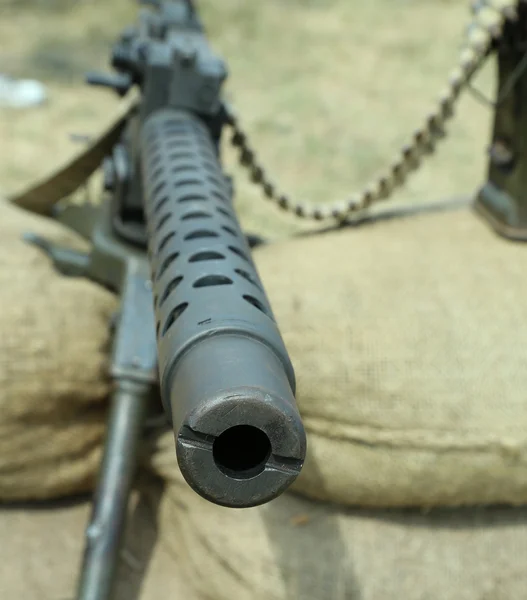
(329, 90)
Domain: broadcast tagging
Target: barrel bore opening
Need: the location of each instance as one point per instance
(241, 452)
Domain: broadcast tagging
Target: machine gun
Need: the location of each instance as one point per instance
(194, 325)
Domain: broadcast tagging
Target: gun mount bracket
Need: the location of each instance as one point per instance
(502, 212)
(502, 201)
(71, 263)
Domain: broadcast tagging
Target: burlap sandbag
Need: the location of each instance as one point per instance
(42, 553)
(180, 546)
(396, 414)
(53, 365)
(409, 340)
(298, 549)
(407, 336)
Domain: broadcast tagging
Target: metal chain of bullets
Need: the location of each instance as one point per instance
(486, 26)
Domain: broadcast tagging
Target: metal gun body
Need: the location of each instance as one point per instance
(195, 324)
(227, 383)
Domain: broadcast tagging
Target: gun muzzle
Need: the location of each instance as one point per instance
(227, 382)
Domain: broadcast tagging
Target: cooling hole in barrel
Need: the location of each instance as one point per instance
(169, 289)
(160, 204)
(201, 233)
(192, 198)
(163, 221)
(219, 195)
(246, 276)
(212, 280)
(157, 173)
(256, 303)
(197, 214)
(185, 182)
(155, 159)
(178, 138)
(214, 179)
(165, 240)
(158, 188)
(176, 127)
(174, 316)
(180, 155)
(166, 263)
(183, 169)
(209, 164)
(208, 154)
(228, 230)
(241, 452)
(238, 252)
(224, 212)
(206, 255)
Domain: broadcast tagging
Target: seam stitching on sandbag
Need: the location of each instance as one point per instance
(485, 443)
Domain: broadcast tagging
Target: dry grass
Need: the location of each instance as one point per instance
(329, 89)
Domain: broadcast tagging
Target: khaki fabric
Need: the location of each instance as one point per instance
(53, 364)
(409, 341)
(42, 553)
(180, 547)
(297, 549)
(407, 337)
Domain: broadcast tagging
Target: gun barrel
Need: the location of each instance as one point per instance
(227, 382)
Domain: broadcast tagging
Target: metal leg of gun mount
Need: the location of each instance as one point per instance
(104, 532)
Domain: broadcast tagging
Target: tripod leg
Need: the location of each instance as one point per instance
(104, 532)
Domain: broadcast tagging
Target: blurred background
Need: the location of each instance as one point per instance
(329, 90)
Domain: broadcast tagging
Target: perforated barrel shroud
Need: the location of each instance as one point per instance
(226, 379)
